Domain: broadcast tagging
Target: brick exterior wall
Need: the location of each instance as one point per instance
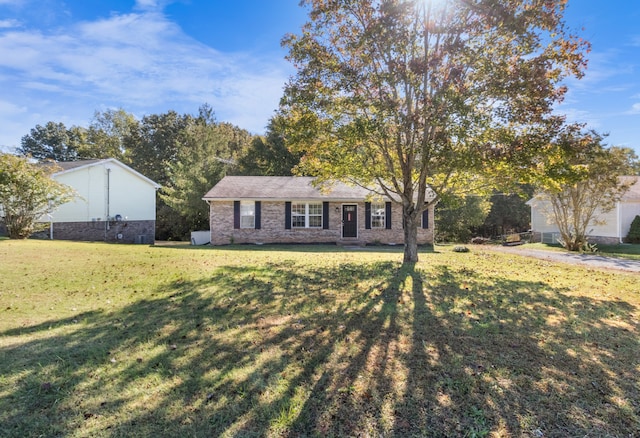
(119, 232)
(273, 227)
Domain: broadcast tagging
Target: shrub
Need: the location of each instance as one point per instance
(634, 231)
(27, 194)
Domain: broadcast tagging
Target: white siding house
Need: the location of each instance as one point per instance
(113, 203)
(614, 225)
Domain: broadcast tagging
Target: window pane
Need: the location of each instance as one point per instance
(247, 222)
(315, 215)
(315, 221)
(247, 208)
(298, 209)
(315, 209)
(247, 214)
(377, 215)
(297, 221)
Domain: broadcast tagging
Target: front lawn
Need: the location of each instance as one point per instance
(118, 340)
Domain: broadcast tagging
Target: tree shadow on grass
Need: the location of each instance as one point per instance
(517, 358)
(353, 350)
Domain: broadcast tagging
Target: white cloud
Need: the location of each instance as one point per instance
(8, 108)
(635, 109)
(580, 116)
(13, 124)
(139, 61)
(146, 4)
(602, 67)
(152, 5)
(8, 24)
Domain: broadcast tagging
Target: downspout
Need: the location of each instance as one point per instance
(107, 226)
(50, 226)
(50, 215)
(619, 223)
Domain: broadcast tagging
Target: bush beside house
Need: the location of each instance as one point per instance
(634, 231)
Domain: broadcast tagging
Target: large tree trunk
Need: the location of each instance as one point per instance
(410, 237)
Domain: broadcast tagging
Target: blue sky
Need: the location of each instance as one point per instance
(62, 60)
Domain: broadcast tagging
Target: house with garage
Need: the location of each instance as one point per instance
(291, 209)
(610, 227)
(112, 203)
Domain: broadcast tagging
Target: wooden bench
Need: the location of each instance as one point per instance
(512, 240)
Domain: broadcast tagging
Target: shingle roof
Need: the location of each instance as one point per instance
(282, 188)
(68, 165)
(62, 166)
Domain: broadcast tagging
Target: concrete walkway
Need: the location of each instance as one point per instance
(588, 260)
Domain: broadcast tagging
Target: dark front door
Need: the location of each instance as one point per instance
(349, 221)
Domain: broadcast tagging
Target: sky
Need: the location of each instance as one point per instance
(63, 60)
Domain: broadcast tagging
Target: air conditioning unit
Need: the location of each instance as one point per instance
(551, 238)
(200, 237)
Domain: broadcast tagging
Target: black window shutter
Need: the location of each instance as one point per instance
(387, 215)
(367, 215)
(425, 219)
(236, 214)
(258, 214)
(325, 215)
(287, 215)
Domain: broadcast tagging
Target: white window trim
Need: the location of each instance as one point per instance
(307, 215)
(247, 210)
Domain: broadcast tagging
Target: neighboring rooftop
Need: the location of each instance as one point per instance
(61, 166)
(68, 165)
(633, 194)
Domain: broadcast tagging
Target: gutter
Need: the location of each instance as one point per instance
(618, 208)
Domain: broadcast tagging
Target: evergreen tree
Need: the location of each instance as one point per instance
(207, 151)
(457, 216)
(53, 142)
(269, 155)
(634, 231)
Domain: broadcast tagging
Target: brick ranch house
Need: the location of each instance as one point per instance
(277, 209)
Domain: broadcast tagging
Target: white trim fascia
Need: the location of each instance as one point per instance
(116, 162)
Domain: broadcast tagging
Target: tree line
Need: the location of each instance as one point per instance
(186, 154)
(189, 154)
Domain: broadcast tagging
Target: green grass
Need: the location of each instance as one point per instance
(113, 340)
(623, 250)
(627, 251)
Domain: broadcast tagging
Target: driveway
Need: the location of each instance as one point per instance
(588, 260)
